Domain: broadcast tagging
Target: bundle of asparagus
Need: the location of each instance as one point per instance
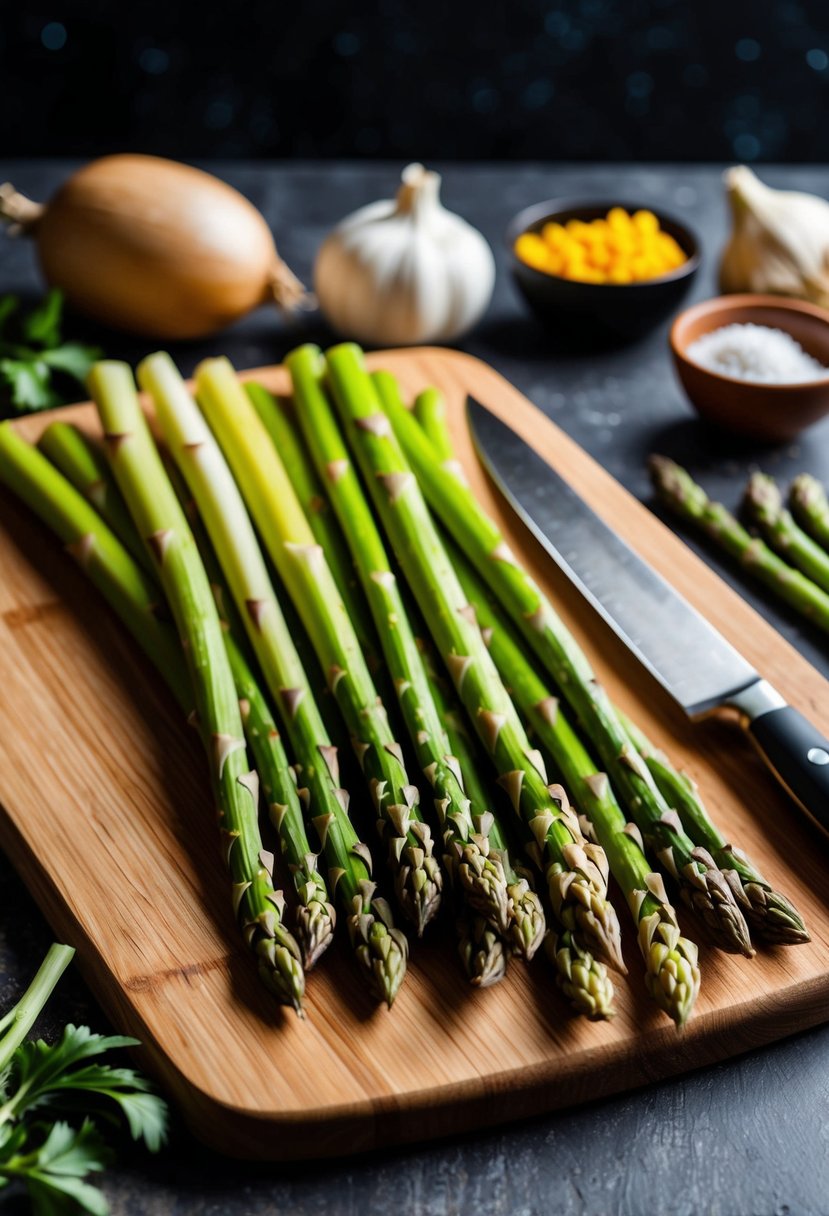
(361, 504)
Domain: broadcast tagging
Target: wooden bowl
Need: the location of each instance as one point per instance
(775, 412)
(593, 314)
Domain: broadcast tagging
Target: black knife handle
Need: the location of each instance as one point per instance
(798, 755)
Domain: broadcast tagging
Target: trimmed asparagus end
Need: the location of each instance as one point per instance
(482, 951)
(583, 980)
(483, 883)
(672, 975)
(527, 923)
(381, 949)
(314, 930)
(706, 891)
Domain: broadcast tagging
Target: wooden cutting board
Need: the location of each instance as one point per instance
(107, 815)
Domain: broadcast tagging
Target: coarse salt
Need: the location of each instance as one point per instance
(755, 352)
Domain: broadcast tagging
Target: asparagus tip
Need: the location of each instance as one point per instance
(672, 974)
(582, 979)
(707, 891)
(771, 915)
(314, 930)
(481, 950)
(381, 949)
(763, 497)
(527, 923)
(484, 884)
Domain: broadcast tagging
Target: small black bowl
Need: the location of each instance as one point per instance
(595, 314)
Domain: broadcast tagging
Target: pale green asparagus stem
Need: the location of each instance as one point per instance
(304, 570)
(677, 489)
(314, 915)
(161, 523)
(672, 975)
(764, 505)
(312, 498)
(379, 947)
(467, 854)
(430, 410)
(575, 870)
(772, 917)
(703, 887)
(16, 1024)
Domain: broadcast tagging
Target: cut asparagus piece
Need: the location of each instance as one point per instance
(677, 489)
(765, 507)
(378, 945)
(671, 961)
(257, 903)
(304, 570)
(467, 855)
(575, 870)
(702, 885)
(314, 915)
(312, 498)
(527, 923)
(84, 464)
(771, 916)
(810, 507)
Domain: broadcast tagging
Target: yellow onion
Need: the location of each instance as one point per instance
(154, 247)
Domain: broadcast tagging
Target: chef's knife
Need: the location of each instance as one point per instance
(690, 659)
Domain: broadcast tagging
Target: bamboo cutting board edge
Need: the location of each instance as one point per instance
(614, 1065)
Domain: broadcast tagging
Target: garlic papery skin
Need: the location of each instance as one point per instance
(404, 271)
(779, 243)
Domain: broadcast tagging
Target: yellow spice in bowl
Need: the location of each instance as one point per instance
(620, 248)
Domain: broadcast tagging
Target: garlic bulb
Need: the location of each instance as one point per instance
(779, 243)
(404, 271)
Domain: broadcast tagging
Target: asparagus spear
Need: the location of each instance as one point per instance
(303, 568)
(677, 489)
(309, 490)
(764, 505)
(380, 948)
(810, 507)
(672, 975)
(527, 923)
(481, 949)
(771, 916)
(467, 854)
(430, 410)
(702, 885)
(575, 870)
(134, 597)
(83, 463)
(314, 914)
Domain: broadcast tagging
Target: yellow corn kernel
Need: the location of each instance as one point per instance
(554, 234)
(618, 220)
(619, 274)
(599, 256)
(645, 221)
(530, 248)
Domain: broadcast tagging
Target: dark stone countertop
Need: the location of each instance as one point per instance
(747, 1137)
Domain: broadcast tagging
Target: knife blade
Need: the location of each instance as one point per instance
(692, 661)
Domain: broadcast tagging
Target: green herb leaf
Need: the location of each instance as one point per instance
(29, 383)
(54, 1170)
(42, 326)
(72, 358)
(35, 366)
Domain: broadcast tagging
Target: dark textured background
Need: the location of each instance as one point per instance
(746, 1138)
(577, 79)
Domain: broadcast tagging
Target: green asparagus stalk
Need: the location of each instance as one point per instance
(379, 947)
(84, 464)
(527, 923)
(467, 855)
(672, 974)
(702, 885)
(575, 870)
(312, 498)
(135, 599)
(810, 507)
(677, 489)
(430, 410)
(764, 505)
(770, 915)
(305, 572)
(314, 914)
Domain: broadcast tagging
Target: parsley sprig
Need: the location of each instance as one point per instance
(38, 370)
(39, 1081)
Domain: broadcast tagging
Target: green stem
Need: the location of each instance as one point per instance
(161, 523)
(764, 504)
(430, 411)
(304, 570)
(16, 1024)
(575, 870)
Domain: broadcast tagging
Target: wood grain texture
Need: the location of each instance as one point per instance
(108, 816)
